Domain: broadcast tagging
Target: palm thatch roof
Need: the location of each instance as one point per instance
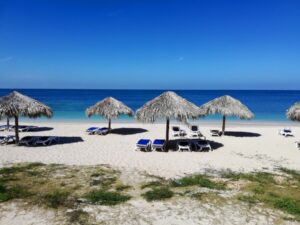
(227, 106)
(16, 104)
(168, 105)
(109, 108)
(293, 113)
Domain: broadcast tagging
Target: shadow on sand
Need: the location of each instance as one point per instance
(39, 129)
(241, 134)
(60, 140)
(69, 140)
(173, 144)
(128, 131)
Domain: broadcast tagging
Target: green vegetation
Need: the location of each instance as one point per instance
(153, 184)
(56, 198)
(199, 180)
(79, 217)
(282, 193)
(13, 192)
(160, 193)
(64, 187)
(102, 197)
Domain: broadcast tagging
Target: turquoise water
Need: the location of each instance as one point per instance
(71, 104)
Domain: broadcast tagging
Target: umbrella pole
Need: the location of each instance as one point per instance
(109, 124)
(167, 134)
(223, 126)
(17, 129)
(7, 123)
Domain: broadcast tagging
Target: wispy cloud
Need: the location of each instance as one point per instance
(6, 59)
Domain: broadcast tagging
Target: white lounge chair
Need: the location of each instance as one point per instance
(158, 144)
(287, 132)
(216, 133)
(203, 145)
(143, 144)
(183, 145)
(195, 132)
(177, 132)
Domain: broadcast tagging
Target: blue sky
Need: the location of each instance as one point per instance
(166, 44)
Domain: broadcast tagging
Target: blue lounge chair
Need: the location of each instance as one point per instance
(143, 144)
(102, 131)
(159, 144)
(92, 130)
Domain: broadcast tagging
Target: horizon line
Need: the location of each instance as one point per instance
(149, 89)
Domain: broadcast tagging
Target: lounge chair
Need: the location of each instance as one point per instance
(143, 144)
(215, 133)
(158, 144)
(177, 132)
(195, 132)
(46, 140)
(92, 130)
(203, 145)
(102, 131)
(28, 141)
(4, 127)
(183, 145)
(7, 139)
(287, 132)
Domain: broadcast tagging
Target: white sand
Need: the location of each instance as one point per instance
(266, 152)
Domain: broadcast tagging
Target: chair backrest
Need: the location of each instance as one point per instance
(175, 128)
(194, 128)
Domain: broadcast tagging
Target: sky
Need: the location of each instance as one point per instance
(157, 44)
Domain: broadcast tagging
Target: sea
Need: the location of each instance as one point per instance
(70, 105)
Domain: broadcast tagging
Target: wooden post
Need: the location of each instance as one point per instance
(109, 124)
(167, 134)
(223, 126)
(17, 129)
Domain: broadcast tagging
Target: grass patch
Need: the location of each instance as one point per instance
(199, 180)
(14, 192)
(79, 217)
(295, 174)
(260, 177)
(56, 198)
(153, 184)
(103, 197)
(160, 193)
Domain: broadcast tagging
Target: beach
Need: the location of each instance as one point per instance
(250, 147)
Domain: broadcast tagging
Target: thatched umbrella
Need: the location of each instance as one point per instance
(16, 105)
(293, 113)
(109, 108)
(168, 106)
(227, 106)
